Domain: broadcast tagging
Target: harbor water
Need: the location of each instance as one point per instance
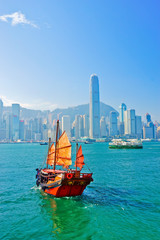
(123, 202)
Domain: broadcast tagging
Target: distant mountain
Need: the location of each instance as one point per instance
(81, 110)
(71, 111)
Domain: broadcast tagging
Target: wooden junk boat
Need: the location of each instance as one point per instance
(67, 182)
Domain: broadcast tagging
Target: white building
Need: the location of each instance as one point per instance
(130, 122)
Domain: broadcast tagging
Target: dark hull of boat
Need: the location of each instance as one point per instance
(126, 147)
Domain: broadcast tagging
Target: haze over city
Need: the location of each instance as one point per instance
(49, 50)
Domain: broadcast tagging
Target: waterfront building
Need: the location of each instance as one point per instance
(148, 117)
(66, 126)
(8, 123)
(21, 130)
(113, 124)
(79, 130)
(15, 121)
(103, 127)
(148, 132)
(86, 125)
(138, 121)
(122, 108)
(158, 133)
(130, 122)
(94, 108)
(121, 128)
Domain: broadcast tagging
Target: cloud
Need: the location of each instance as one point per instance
(36, 105)
(17, 18)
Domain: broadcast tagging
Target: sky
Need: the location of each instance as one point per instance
(49, 49)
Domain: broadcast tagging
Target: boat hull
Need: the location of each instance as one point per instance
(63, 184)
(65, 191)
(126, 147)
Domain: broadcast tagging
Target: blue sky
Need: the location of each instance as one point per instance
(50, 48)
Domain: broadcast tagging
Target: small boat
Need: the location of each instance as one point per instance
(67, 182)
(125, 144)
(43, 143)
(88, 142)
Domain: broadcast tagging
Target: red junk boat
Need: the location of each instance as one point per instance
(67, 182)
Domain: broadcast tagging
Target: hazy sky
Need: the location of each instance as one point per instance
(49, 49)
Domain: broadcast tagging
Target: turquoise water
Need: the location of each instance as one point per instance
(122, 203)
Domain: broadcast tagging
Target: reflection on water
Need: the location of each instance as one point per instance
(66, 214)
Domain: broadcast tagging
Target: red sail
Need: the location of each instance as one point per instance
(79, 158)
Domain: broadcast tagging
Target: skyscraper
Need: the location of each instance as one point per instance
(86, 125)
(130, 122)
(113, 124)
(15, 121)
(138, 126)
(94, 108)
(122, 108)
(103, 127)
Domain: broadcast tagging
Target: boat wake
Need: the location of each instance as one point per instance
(36, 187)
(114, 197)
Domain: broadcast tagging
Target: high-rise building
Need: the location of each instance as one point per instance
(86, 125)
(15, 121)
(138, 121)
(21, 129)
(148, 117)
(130, 122)
(148, 132)
(94, 108)
(113, 123)
(79, 129)
(122, 108)
(66, 126)
(103, 127)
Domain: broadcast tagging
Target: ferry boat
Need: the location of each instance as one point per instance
(125, 144)
(67, 182)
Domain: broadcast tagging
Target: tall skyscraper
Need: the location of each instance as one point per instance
(122, 108)
(15, 121)
(113, 124)
(94, 108)
(66, 126)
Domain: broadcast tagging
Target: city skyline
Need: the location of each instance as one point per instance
(48, 52)
(90, 122)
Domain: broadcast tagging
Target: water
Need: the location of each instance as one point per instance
(122, 203)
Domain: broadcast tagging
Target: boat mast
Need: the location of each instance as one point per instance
(56, 144)
(49, 145)
(76, 155)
